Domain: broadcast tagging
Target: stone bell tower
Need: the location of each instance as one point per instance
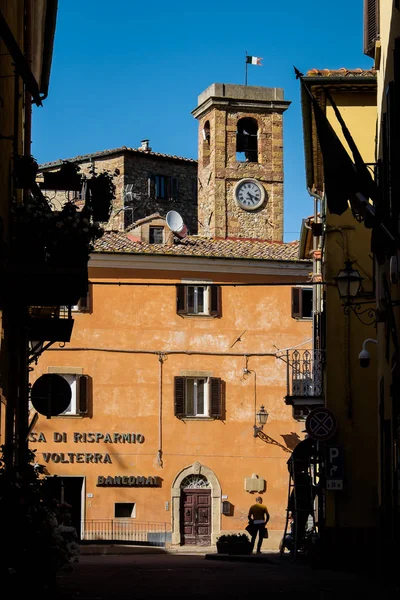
(240, 161)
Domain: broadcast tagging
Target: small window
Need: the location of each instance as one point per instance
(156, 235)
(200, 300)
(198, 397)
(163, 187)
(302, 303)
(125, 510)
(300, 413)
(80, 394)
(83, 305)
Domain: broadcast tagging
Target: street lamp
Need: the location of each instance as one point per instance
(349, 285)
(261, 417)
(35, 349)
(348, 282)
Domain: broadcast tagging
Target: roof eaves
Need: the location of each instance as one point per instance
(120, 150)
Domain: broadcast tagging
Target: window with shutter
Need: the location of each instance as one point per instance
(302, 303)
(371, 26)
(179, 393)
(198, 397)
(199, 300)
(81, 393)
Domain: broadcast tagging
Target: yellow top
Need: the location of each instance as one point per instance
(257, 511)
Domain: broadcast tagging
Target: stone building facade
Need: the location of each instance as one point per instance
(234, 191)
(173, 356)
(240, 137)
(147, 182)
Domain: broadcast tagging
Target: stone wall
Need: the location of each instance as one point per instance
(140, 171)
(220, 171)
(136, 176)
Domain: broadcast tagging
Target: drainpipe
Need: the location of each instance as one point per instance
(316, 265)
(161, 359)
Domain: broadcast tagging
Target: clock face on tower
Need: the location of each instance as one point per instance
(249, 194)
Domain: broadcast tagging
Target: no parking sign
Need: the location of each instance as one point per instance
(321, 424)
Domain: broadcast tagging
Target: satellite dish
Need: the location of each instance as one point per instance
(176, 224)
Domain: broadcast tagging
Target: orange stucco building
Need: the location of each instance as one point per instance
(172, 356)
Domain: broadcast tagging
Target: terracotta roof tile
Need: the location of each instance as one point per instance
(231, 248)
(121, 149)
(341, 73)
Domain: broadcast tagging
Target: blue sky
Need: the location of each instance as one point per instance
(129, 70)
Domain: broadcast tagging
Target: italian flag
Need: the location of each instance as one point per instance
(254, 60)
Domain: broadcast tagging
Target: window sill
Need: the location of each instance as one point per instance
(302, 318)
(68, 416)
(197, 418)
(187, 316)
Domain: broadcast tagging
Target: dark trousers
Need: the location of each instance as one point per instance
(258, 529)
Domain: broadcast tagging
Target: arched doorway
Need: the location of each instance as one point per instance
(196, 506)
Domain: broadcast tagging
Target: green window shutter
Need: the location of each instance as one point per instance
(181, 299)
(216, 397)
(83, 389)
(179, 396)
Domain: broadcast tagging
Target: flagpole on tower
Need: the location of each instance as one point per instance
(245, 78)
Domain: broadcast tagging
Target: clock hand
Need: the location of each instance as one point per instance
(251, 197)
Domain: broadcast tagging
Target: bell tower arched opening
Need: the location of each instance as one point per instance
(247, 140)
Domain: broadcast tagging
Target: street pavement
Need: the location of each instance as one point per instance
(163, 574)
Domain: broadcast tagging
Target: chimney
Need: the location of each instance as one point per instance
(145, 146)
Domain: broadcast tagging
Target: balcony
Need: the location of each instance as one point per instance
(48, 324)
(304, 381)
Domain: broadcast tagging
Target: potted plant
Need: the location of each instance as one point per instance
(66, 178)
(25, 169)
(100, 195)
(233, 543)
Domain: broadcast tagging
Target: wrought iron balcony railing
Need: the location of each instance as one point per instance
(304, 373)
